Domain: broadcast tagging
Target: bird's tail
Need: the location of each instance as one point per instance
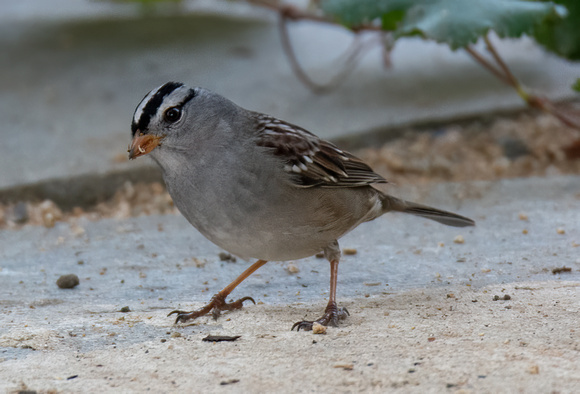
(391, 203)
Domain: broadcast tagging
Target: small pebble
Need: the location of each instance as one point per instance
(226, 257)
(20, 213)
(459, 239)
(318, 328)
(50, 213)
(523, 216)
(125, 309)
(349, 251)
(292, 268)
(561, 231)
(68, 281)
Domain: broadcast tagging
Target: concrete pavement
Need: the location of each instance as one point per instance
(153, 264)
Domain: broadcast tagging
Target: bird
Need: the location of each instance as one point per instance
(259, 187)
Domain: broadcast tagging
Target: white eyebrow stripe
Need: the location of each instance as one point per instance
(139, 110)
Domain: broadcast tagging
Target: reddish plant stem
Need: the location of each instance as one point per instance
(507, 72)
(351, 55)
(547, 106)
(506, 76)
(501, 70)
(487, 65)
(294, 13)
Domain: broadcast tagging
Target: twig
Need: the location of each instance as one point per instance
(547, 106)
(294, 13)
(486, 64)
(352, 53)
(289, 11)
(507, 72)
(501, 70)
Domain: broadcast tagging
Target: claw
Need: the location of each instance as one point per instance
(332, 314)
(238, 304)
(215, 306)
(241, 300)
(180, 315)
(175, 311)
(305, 325)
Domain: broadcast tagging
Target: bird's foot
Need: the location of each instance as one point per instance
(215, 306)
(332, 314)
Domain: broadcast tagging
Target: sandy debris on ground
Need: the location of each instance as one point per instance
(523, 146)
(416, 341)
(129, 201)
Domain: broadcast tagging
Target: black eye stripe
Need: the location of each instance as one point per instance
(153, 105)
(187, 98)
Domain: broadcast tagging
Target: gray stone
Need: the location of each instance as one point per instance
(19, 213)
(68, 281)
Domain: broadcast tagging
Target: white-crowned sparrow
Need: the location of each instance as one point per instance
(259, 187)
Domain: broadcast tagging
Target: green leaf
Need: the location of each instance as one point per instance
(576, 85)
(562, 36)
(354, 13)
(455, 22)
(390, 20)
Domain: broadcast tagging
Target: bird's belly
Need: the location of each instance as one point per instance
(269, 245)
(250, 223)
(253, 228)
(263, 234)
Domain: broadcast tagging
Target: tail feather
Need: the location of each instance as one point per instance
(391, 203)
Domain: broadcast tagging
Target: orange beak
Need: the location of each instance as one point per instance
(143, 144)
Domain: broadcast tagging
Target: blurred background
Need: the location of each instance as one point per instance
(73, 72)
(425, 105)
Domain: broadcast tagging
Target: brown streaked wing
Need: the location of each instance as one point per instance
(313, 161)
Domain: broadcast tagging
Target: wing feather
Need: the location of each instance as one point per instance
(311, 160)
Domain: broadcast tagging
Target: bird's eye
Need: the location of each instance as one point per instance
(172, 114)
